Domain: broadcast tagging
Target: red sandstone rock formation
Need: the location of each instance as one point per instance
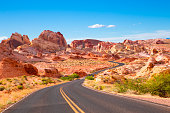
(81, 73)
(13, 68)
(57, 58)
(30, 69)
(88, 43)
(51, 72)
(104, 46)
(49, 41)
(159, 42)
(5, 52)
(16, 40)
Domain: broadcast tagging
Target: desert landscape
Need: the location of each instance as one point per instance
(29, 64)
(92, 56)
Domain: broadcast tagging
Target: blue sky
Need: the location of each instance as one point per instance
(108, 20)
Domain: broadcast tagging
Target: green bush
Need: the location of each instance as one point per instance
(25, 77)
(47, 80)
(2, 88)
(20, 87)
(89, 78)
(74, 75)
(9, 80)
(71, 77)
(158, 85)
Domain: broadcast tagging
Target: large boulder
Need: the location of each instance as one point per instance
(49, 41)
(51, 72)
(16, 40)
(30, 69)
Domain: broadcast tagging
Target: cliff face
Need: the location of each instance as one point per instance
(49, 41)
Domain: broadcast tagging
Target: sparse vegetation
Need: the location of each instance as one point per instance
(71, 77)
(20, 86)
(2, 88)
(89, 78)
(158, 85)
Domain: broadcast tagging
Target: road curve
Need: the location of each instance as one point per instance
(65, 97)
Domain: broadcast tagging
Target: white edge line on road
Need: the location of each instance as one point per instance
(126, 97)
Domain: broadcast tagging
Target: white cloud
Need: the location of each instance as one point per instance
(100, 26)
(3, 37)
(109, 26)
(96, 26)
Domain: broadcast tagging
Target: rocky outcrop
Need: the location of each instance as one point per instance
(13, 68)
(16, 40)
(5, 52)
(109, 76)
(30, 69)
(104, 46)
(51, 72)
(81, 73)
(57, 58)
(129, 42)
(49, 41)
(117, 48)
(162, 58)
(88, 43)
(159, 42)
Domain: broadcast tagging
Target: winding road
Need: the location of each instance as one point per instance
(72, 97)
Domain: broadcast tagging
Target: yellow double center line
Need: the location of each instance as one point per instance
(73, 106)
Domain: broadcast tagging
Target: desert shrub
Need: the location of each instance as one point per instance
(74, 75)
(89, 78)
(9, 102)
(47, 80)
(158, 85)
(120, 87)
(35, 83)
(20, 87)
(71, 77)
(2, 88)
(9, 80)
(44, 81)
(25, 77)
(67, 78)
(101, 87)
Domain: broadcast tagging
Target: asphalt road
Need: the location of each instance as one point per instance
(73, 97)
